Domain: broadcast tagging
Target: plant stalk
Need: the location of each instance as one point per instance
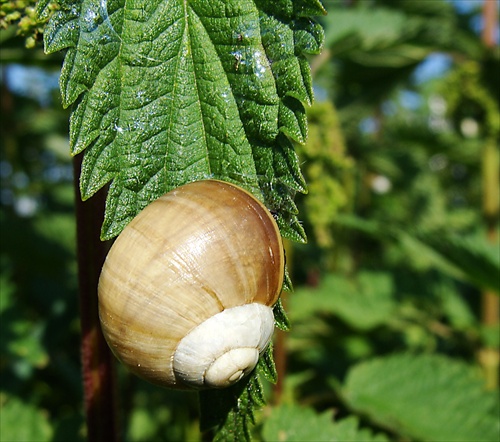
(490, 308)
(97, 361)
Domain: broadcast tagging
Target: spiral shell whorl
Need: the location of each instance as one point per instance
(225, 347)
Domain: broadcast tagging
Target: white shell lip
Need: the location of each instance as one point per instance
(224, 348)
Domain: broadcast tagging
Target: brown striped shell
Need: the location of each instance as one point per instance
(186, 292)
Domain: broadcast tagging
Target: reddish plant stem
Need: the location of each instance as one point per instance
(97, 361)
(490, 22)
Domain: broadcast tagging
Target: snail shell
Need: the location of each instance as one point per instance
(187, 289)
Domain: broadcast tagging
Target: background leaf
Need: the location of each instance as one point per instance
(476, 259)
(426, 397)
(294, 423)
(23, 422)
(363, 302)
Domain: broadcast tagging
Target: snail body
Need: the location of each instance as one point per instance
(187, 289)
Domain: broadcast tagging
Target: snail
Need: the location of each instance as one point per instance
(187, 289)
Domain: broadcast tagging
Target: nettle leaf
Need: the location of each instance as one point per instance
(167, 92)
(364, 302)
(23, 421)
(476, 259)
(294, 423)
(424, 397)
(43, 8)
(266, 366)
(230, 412)
(280, 316)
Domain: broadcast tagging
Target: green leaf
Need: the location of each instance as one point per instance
(477, 260)
(375, 37)
(364, 302)
(455, 307)
(266, 366)
(21, 339)
(6, 283)
(23, 422)
(169, 92)
(426, 397)
(26, 344)
(42, 8)
(469, 258)
(280, 316)
(230, 412)
(294, 423)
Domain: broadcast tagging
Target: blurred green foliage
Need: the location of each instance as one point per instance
(386, 324)
(327, 169)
